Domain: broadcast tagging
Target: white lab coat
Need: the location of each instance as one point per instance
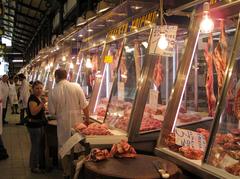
(4, 90)
(66, 101)
(13, 94)
(24, 94)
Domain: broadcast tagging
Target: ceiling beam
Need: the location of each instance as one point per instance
(23, 15)
(15, 40)
(17, 35)
(30, 7)
(20, 22)
(17, 27)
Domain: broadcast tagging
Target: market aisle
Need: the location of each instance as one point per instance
(17, 142)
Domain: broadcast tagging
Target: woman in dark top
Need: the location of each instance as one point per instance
(35, 127)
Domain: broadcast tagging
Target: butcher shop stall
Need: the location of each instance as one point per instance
(200, 131)
(118, 81)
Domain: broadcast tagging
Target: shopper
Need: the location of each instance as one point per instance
(66, 101)
(13, 99)
(3, 151)
(35, 125)
(23, 97)
(4, 90)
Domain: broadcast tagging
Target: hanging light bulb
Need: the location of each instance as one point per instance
(163, 42)
(71, 66)
(89, 63)
(64, 58)
(207, 24)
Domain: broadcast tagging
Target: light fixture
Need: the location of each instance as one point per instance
(124, 76)
(136, 7)
(207, 24)
(90, 15)
(51, 64)
(64, 58)
(71, 65)
(110, 20)
(145, 44)
(73, 57)
(17, 61)
(89, 30)
(98, 74)
(81, 21)
(162, 43)
(80, 35)
(102, 6)
(89, 63)
(73, 39)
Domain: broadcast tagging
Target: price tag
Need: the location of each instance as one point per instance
(121, 91)
(108, 59)
(153, 97)
(73, 140)
(190, 138)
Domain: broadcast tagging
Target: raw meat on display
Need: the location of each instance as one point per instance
(191, 153)
(98, 155)
(170, 142)
(210, 80)
(234, 169)
(123, 66)
(93, 129)
(220, 57)
(137, 59)
(123, 150)
(204, 132)
(158, 73)
(101, 111)
(150, 124)
(185, 117)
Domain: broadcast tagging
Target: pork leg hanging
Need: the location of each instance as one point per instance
(137, 59)
(209, 79)
(158, 73)
(220, 57)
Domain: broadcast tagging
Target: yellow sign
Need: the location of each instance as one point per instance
(108, 59)
(134, 24)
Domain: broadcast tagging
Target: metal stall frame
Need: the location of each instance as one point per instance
(221, 106)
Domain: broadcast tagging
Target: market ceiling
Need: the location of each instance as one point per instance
(21, 19)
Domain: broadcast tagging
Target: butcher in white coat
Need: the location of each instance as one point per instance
(4, 90)
(66, 101)
(23, 97)
(3, 151)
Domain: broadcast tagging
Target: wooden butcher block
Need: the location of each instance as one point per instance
(140, 167)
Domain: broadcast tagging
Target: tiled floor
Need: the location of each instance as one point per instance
(17, 143)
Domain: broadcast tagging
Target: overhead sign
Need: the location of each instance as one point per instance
(134, 24)
(190, 139)
(170, 34)
(108, 59)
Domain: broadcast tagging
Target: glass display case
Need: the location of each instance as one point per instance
(223, 154)
(197, 91)
(106, 77)
(88, 64)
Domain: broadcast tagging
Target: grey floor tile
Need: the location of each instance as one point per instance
(16, 140)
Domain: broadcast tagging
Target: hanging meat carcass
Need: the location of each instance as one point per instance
(123, 66)
(137, 59)
(158, 73)
(209, 80)
(220, 57)
(95, 63)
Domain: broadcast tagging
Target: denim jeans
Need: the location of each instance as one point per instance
(37, 159)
